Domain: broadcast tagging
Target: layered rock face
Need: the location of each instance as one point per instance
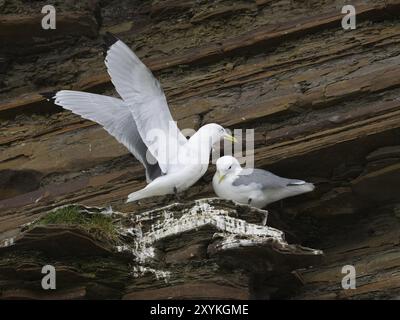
(206, 249)
(324, 104)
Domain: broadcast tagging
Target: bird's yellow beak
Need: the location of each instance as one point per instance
(230, 138)
(221, 177)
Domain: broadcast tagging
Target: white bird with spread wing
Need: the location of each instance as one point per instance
(142, 122)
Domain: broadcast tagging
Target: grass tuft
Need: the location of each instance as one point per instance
(98, 225)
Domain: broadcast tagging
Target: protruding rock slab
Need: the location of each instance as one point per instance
(208, 248)
(379, 181)
(207, 242)
(228, 229)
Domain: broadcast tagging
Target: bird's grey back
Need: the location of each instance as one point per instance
(263, 178)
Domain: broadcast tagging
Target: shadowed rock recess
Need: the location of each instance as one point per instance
(325, 106)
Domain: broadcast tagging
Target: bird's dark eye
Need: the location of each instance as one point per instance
(229, 167)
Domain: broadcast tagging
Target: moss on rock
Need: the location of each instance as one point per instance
(97, 224)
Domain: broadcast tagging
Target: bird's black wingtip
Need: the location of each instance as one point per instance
(109, 39)
(49, 96)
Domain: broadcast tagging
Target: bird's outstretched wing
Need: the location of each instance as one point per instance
(264, 179)
(143, 94)
(115, 117)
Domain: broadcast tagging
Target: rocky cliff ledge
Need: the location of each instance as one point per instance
(204, 249)
(324, 103)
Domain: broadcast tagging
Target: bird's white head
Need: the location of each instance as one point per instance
(227, 165)
(214, 132)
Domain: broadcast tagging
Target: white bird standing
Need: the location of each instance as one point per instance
(255, 187)
(142, 122)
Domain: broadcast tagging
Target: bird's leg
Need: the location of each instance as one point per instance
(281, 204)
(249, 201)
(169, 198)
(176, 194)
(264, 220)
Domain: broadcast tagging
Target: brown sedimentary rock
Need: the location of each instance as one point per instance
(324, 104)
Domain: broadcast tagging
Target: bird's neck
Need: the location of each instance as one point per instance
(200, 146)
(234, 174)
(238, 170)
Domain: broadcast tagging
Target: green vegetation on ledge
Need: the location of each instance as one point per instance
(98, 225)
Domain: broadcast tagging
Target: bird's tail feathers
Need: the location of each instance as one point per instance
(137, 195)
(303, 187)
(294, 182)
